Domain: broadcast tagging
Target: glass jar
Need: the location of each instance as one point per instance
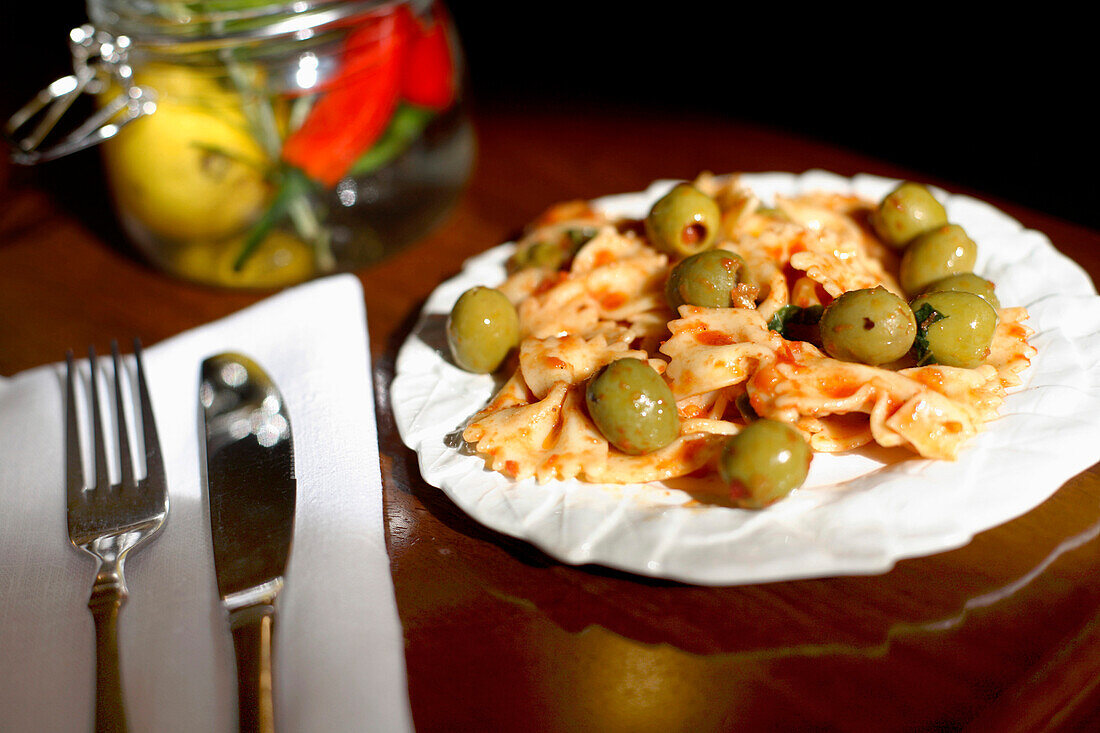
(273, 142)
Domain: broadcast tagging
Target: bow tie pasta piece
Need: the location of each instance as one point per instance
(933, 412)
(685, 455)
(838, 276)
(712, 348)
(847, 216)
(553, 438)
(836, 251)
(1009, 352)
(766, 243)
(570, 359)
(547, 439)
(612, 247)
(977, 391)
(563, 307)
(614, 278)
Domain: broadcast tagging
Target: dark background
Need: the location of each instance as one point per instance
(1000, 103)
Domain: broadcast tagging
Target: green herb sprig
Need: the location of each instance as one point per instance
(926, 315)
(796, 323)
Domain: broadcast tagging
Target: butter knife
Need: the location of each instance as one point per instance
(251, 491)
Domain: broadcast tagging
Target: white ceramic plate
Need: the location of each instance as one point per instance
(857, 513)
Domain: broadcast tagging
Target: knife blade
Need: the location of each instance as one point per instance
(251, 491)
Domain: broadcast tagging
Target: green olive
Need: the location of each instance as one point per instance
(705, 279)
(966, 282)
(542, 253)
(907, 211)
(551, 253)
(764, 462)
(633, 407)
(482, 328)
(871, 326)
(684, 221)
(943, 251)
(954, 328)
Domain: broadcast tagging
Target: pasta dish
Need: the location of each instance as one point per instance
(786, 342)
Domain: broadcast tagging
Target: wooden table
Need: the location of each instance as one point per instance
(1003, 634)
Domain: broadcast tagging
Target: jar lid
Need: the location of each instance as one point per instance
(216, 24)
(123, 33)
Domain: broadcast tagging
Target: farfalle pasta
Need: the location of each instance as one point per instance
(590, 291)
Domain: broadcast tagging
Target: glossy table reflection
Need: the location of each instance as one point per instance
(1003, 634)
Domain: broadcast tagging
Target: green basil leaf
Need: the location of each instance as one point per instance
(926, 315)
(787, 319)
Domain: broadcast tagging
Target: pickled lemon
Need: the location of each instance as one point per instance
(191, 170)
(280, 259)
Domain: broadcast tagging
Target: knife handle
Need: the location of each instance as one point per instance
(252, 629)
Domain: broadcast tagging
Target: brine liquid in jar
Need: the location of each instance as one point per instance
(288, 141)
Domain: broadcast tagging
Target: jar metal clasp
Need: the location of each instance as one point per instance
(98, 58)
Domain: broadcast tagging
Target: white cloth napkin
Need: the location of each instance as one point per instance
(339, 653)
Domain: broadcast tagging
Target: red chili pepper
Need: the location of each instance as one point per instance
(428, 78)
(356, 107)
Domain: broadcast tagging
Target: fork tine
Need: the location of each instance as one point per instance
(74, 464)
(125, 461)
(154, 462)
(102, 479)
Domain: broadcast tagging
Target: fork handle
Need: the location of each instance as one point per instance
(108, 597)
(252, 629)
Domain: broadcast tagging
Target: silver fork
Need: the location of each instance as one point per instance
(108, 520)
